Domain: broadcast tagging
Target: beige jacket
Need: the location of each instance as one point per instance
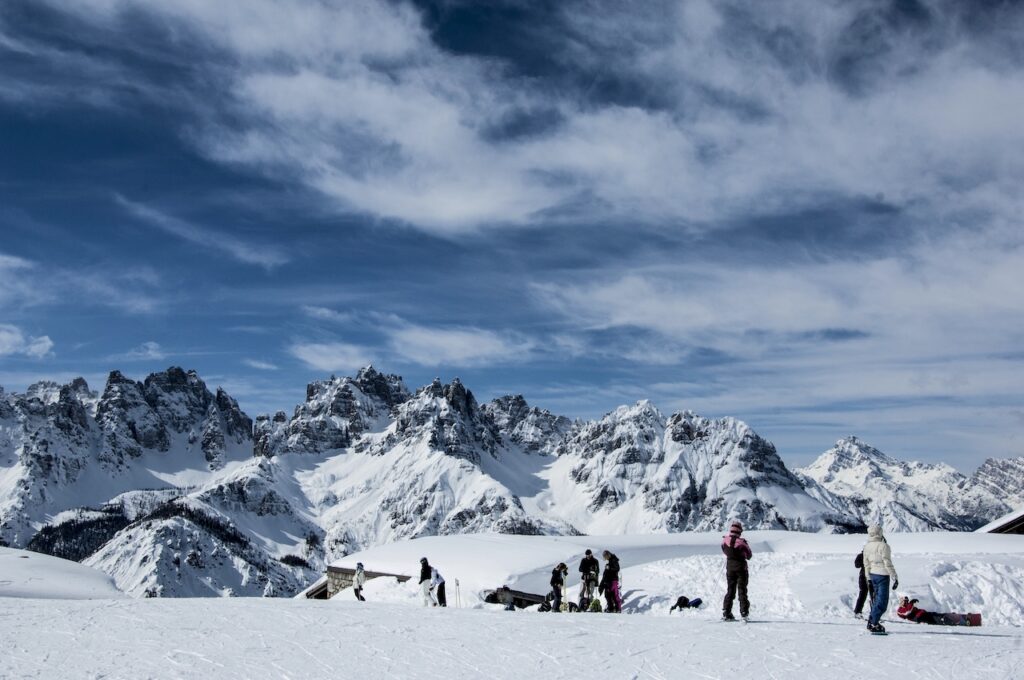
(878, 555)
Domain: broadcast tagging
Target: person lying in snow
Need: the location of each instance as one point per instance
(909, 611)
(685, 603)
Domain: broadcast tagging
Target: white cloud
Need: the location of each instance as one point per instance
(259, 365)
(429, 346)
(14, 341)
(394, 126)
(264, 256)
(147, 351)
(326, 314)
(331, 356)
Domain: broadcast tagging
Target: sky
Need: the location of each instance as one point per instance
(804, 214)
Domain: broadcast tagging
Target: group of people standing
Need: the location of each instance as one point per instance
(431, 584)
(608, 585)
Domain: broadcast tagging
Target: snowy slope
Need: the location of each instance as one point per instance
(31, 575)
(901, 496)
(793, 575)
(800, 588)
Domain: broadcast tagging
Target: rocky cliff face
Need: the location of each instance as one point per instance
(899, 495)
(171, 489)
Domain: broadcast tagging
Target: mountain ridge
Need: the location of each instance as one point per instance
(173, 490)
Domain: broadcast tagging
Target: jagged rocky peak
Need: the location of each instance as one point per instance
(536, 430)
(1003, 478)
(630, 433)
(448, 417)
(337, 411)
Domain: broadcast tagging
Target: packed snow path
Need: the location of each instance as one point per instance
(249, 638)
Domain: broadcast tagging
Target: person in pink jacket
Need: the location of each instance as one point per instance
(737, 552)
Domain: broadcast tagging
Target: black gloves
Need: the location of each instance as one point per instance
(895, 584)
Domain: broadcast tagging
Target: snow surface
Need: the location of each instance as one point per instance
(801, 585)
(998, 522)
(27, 574)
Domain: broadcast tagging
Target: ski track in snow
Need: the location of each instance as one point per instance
(308, 639)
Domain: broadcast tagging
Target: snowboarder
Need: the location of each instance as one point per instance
(863, 587)
(737, 552)
(878, 569)
(558, 575)
(358, 581)
(437, 587)
(685, 603)
(610, 582)
(425, 575)
(590, 570)
(907, 610)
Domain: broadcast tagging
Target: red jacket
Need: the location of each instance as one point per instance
(908, 611)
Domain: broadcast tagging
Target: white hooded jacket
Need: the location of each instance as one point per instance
(878, 555)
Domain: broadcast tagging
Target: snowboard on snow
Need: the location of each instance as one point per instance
(961, 619)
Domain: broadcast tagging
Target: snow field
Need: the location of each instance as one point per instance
(25, 574)
(794, 577)
(258, 638)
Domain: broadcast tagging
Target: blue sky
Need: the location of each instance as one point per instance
(804, 214)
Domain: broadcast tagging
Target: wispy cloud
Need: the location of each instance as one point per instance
(431, 346)
(331, 356)
(265, 256)
(259, 365)
(326, 314)
(14, 341)
(147, 351)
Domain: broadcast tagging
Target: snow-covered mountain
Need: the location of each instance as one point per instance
(860, 480)
(173, 491)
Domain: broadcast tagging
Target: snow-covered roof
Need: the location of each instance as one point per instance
(1016, 516)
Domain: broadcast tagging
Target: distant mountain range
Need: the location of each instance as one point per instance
(174, 491)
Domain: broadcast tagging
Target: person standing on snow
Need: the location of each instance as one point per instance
(437, 586)
(558, 575)
(425, 575)
(863, 587)
(358, 581)
(590, 569)
(878, 569)
(610, 582)
(737, 552)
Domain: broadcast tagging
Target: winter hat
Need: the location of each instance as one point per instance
(875, 531)
(359, 565)
(423, 560)
(588, 553)
(736, 529)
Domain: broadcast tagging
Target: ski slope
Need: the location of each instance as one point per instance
(801, 586)
(25, 574)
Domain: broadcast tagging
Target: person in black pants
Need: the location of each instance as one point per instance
(737, 552)
(590, 569)
(863, 587)
(558, 575)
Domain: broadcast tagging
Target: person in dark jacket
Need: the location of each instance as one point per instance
(425, 576)
(863, 587)
(685, 603)
(558, 575)
(737, 552)
(610, 582)
(590, 570)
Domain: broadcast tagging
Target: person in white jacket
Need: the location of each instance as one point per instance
(437, 585)
(878, 569)
(358, 581)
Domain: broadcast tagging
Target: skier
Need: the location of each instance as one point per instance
(685, 603)
(357, 582)
(590, 569)
(437, 586)
(863, 587)
(425, 575)
(610, 582)
(558, 575)
(879, 570)
(737, 552)
(907, 610)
